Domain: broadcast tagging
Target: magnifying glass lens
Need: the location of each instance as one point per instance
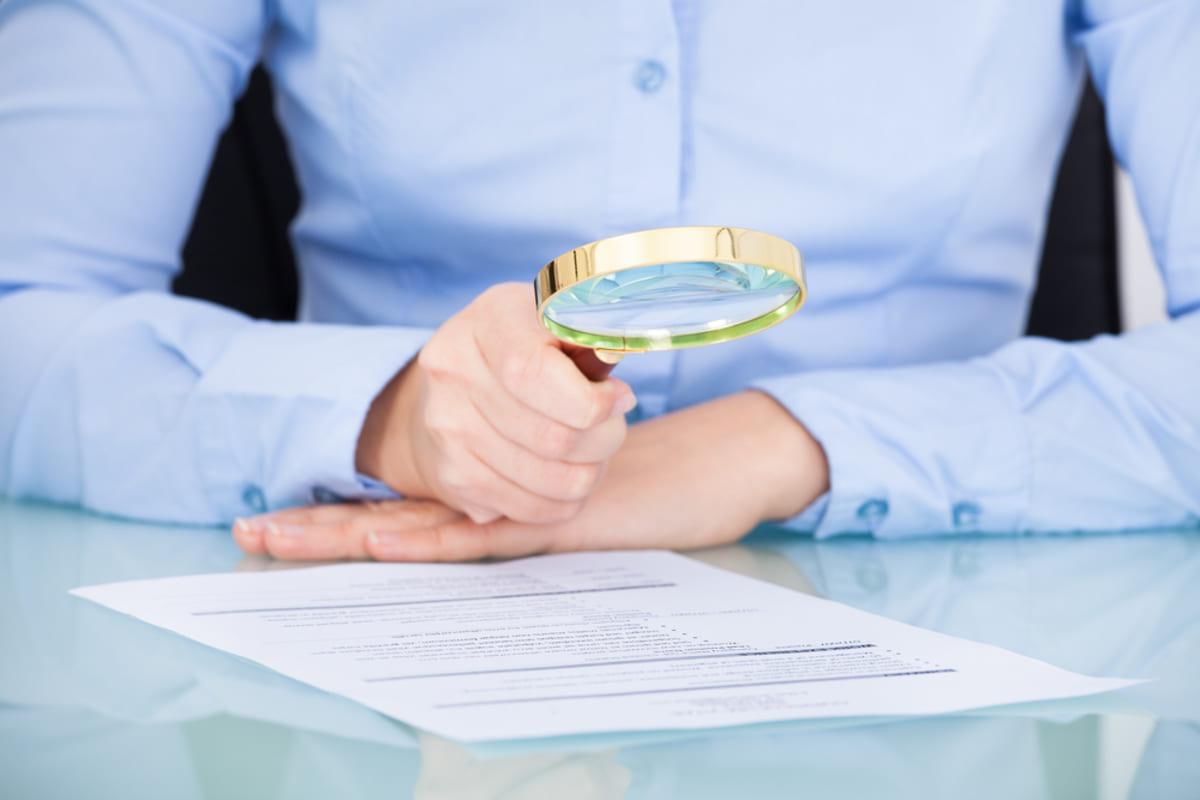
(670, 305)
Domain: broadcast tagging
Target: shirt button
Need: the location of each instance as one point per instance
(254, 499)
(649, 76)
(966, 515)
(322, 495)
(872, 512)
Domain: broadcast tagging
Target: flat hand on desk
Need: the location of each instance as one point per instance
(696, 477)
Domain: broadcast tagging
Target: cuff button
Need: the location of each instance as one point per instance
(966, 515)
(323, 496)
(254, 499)
(872, 512)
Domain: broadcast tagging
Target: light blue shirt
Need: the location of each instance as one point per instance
(908, 150)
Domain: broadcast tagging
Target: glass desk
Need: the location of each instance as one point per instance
(94, 704)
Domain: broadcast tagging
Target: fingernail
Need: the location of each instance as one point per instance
(275, 529)
(243, 527)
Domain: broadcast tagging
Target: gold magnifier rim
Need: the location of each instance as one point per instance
(676, 245)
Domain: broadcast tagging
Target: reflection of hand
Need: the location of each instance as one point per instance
(451, 772)
(701, 476)
(494, 419)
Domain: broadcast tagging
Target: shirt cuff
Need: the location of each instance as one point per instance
(368, 489)
(284, 406)
(809, 520)
(912, 451)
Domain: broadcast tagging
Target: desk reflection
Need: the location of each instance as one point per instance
(95, 704)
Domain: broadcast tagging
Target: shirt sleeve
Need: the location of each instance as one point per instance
(1044, 435)
(113, 393)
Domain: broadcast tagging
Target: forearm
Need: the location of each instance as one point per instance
(153, 406)
(758, 446)
(1038, 436)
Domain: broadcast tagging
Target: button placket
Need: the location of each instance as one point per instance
(646, 136)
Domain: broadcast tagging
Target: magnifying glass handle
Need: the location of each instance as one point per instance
(594, 364)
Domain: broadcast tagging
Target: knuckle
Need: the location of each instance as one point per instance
(438, 435)
(432, 359)
(431, 544)
(611, 442)
(282, 548)
(580, 480)
(510, 294)
(486, 536)
(556, 440)
(596, 409)
(455, 544)
(271, 546)
(455, 480)
(347, 539)
(442, 442)
(600, 443)
(613, 438)
(568, 511)
(491, 295)
(546, 512)
(468, 484)
(423, 513)
(482, 516)
(375, 506)
(520, 369)
(442, 425)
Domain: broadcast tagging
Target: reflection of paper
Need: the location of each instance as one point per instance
(583, 642)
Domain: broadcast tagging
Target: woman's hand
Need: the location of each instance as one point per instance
(701, 476)
(495, 419)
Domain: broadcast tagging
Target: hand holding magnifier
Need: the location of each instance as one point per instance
(666, 289)
(489, 421)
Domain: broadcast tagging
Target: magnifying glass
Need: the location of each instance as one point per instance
(668, 288)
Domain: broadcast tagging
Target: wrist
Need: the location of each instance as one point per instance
(384, 451)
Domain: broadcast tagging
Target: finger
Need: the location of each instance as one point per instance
(461, 540)
(342, 535)
(469, 484)
(249, 532)
(319, 513)
(475, 469)
(458, 372)
(545, 477)
(547, 380)
(338, 540)
(546, 437)
(537, 372)
(249, 537)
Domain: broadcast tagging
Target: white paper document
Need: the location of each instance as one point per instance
(583, 643)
